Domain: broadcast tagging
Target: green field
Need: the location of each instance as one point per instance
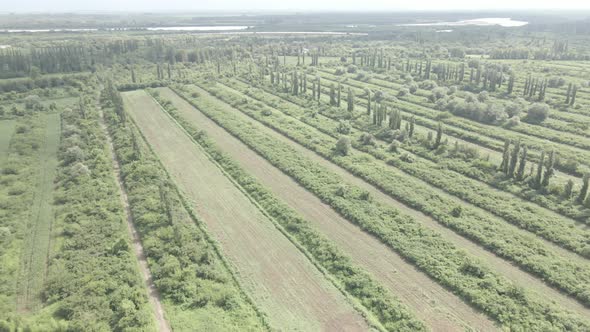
(36, 245)
(6, 131)
(164, 172)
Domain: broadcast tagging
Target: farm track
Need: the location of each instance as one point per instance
(152, 292)
(6, 130)
(33, 270)
(507, 269)
(270, 268)
(439, 308)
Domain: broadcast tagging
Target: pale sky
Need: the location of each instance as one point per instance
(309, 5)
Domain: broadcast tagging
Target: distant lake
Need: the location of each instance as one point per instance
(200, 28)
(501, 21)
(180, 28)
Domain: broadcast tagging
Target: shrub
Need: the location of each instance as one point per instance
(407, 157)
(483, 96)
(343, 127)
(513, 121)
(537, 113)
(343, 145)
(393, 147)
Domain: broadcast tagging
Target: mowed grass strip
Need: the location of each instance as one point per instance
(279, 278)
(438, 307)
(6, 131)
(439, 258)
(35, 253)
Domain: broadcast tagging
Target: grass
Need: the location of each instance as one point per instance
(6, 130)
(36, 245)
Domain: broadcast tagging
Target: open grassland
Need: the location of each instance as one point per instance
(265, 261)
(436, 306)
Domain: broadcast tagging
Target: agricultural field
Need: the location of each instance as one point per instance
(310, 172)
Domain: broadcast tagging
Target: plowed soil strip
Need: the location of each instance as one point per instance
(439, 308)
(500, 265)
(278, 277)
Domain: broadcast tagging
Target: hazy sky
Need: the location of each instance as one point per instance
(236, 5)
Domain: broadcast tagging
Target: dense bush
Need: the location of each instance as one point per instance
(537, 113)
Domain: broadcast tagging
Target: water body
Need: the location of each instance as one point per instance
(488, 21)
(180, 28)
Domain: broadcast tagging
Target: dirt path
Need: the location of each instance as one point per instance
(439, 308)
(153, 294)
(277, 276)
(500, 265)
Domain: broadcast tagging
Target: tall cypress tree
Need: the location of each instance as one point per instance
(573, 99)
(368, 102)
(584, 189)
(350, 100)
(439, 133)
(569, 92)
(295, 83)
(522, 165)
(539, 176)
(549, 171)
(332, 95)
(505, 156)
(514, 159)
